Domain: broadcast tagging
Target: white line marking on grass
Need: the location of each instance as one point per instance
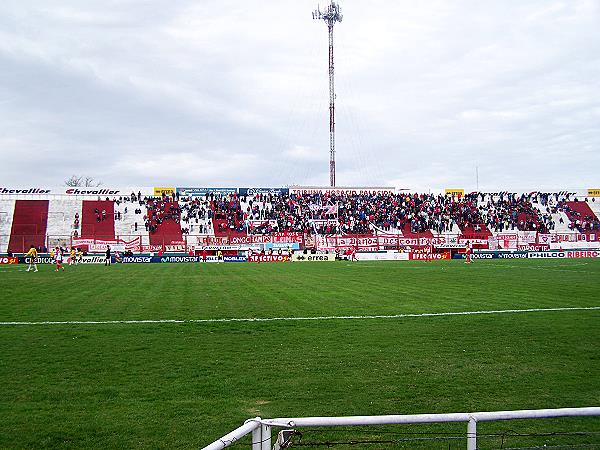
(282, 319)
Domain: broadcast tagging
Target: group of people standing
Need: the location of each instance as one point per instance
(73, 256)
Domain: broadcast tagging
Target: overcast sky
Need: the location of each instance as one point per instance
(235, 93)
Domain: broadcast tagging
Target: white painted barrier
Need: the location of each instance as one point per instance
(261, 428)
(250, 426)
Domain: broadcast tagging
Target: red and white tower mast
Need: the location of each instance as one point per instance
(331, 15)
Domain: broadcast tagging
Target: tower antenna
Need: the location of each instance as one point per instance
(331, 15)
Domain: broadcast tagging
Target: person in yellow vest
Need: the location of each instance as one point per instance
(79, 256)
(32, 254)
(219, 256)
(72, 255)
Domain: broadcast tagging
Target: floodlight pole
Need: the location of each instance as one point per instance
(331, 15)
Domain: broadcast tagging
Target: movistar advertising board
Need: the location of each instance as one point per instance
(550, 254)
(492, 255)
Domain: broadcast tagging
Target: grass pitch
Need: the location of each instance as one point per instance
(170, 385)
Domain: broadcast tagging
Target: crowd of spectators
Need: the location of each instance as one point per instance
(159, 211)
(196, 212)
(228, 212)
(414, 213)
(509, 211)
(76, 221)
(191, 213)
(363, 213)
(389, 212)
(579, 222)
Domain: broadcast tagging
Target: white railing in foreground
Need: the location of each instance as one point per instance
(261, 428)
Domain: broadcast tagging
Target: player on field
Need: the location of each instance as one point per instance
(32, 254)
(58, 259)
(72, 256)
(468, 253)
(428, 253)
(353, 254)
(107, 258)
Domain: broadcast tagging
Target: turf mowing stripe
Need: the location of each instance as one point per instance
(274, 319)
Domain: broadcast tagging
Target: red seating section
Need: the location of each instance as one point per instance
(525, 218)
(407, 232)
(29, 225)
(221, 227)
(228, 218)
(91, 227)
(583, 209)
(471, 233)
(168, 231)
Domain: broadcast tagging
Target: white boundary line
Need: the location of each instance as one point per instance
(281, 319)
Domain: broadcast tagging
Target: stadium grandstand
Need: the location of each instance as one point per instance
(235, 220)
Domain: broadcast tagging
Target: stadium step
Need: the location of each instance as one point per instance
(168, 231)
(61, 218)
(583, 209)
(29, 224)
(98, 220)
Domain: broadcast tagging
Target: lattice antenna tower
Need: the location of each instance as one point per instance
(331, 15)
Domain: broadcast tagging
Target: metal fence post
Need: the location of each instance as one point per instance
(265, 437)
(257, 439)
(472, 434)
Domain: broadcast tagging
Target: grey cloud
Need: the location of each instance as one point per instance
(236, 93)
